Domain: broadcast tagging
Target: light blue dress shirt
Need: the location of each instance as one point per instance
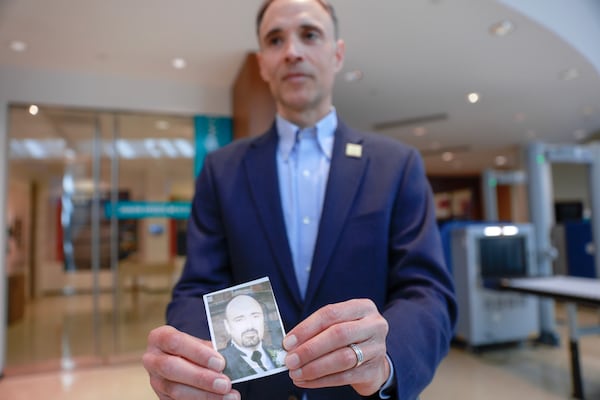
(303, 161)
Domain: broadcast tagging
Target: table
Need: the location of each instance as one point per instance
(572, 291)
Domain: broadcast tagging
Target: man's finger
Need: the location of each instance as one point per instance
(171, 341)
(325, 317)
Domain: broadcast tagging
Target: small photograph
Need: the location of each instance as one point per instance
(246, 328)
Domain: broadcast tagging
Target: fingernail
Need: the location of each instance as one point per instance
(230, 396)
(289, 342)
(292, 361)
(296, 374)
(220, 385)
(216, 364)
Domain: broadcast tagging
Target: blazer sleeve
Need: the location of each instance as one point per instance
(207, 263)
(421, 307)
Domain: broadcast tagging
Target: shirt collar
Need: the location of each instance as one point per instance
(245, 351)
(325, 134)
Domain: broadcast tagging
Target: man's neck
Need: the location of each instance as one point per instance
(305, 118)
(247, 350)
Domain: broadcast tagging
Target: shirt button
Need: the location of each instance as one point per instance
(306, 173)
(306, 220)
(308, 268)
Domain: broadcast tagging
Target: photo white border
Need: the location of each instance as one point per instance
(206, 299)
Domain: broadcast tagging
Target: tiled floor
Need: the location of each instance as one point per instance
(525, 371)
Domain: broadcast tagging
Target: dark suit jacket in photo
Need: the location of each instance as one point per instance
(236, 366)
(377, 239)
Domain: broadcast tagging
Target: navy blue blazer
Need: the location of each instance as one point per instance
(378, 239)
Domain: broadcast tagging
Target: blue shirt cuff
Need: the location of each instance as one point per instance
(389, 383)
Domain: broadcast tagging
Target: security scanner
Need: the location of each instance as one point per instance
(540, 156)
(491, 251)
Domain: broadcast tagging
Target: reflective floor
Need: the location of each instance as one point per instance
(525, 371)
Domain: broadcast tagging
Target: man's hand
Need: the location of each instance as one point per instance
(319, 354)
(184, 367)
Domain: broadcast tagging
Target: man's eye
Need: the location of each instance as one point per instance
(274, 41)
(311, 35)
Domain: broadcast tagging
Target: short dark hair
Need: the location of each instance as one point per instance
(324, 3)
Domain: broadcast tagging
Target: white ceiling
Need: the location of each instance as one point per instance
(419, 58)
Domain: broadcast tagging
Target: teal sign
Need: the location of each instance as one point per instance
(148, 209)
(210, 134)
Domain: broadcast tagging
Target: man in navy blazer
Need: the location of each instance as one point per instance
(374, 315)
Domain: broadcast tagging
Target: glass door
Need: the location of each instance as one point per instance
(87, 284)
(55, 253)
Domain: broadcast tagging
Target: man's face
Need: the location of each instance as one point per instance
(299, 55)
(244, 321)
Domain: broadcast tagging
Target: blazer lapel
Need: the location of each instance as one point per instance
(261, 169)
(346, 172)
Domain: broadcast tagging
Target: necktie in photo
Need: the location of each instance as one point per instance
(256, 357)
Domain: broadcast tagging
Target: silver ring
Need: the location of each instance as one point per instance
(360, 357)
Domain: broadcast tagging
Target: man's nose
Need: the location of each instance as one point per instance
(293, 50)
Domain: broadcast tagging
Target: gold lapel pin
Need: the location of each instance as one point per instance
(353, 150)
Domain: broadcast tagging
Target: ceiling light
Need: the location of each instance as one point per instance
(531, 133)
(353, 76)
(125, 149)
(501, 161)
(162, 125)
(185, 147)
(18, 46)
(168, 148)
(33, 109)
(447, 156)
(179, 63)
(151, 148)
(473, 97)
(34, 148)
(502, 28)
(569, 74)
(520, 117)
(419, 131)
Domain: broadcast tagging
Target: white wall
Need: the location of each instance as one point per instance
(99, 92)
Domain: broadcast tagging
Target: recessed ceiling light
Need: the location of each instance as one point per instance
(502, 28)
(501, 160)
(33, 109)
(473, 97)
(179, 63)
(419, 131)
(569, 74)
(18, 46)
(353, 76)
(162, 125)
(447, 156)
(531, 133)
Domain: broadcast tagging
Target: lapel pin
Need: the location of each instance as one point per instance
(353, 150)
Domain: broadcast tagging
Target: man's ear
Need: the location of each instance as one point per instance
(340, 54)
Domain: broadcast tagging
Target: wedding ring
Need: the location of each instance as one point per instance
(360, 357)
